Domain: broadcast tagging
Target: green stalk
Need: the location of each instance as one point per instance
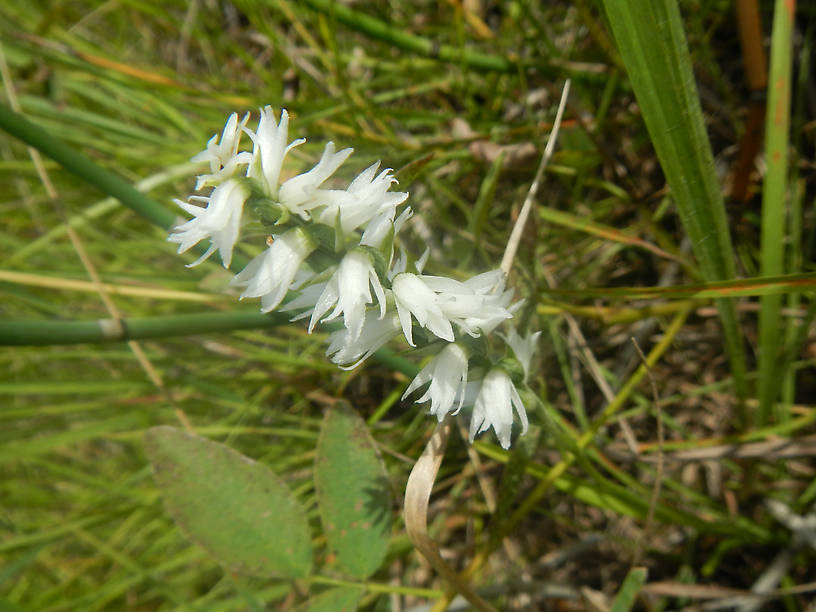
(104, 180)
(37, 332)
(772, 250)
(650, 37)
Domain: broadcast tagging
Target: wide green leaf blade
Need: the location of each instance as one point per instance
(652, 44)
(237, 509)
(353, 493)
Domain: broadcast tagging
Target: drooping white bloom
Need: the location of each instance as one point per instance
(270, 275)
(477, 305)
(413, 297)
(376, 332)
(269, 149)
(298, 194)
(366, 197)
(447, 373)
(523, 347)
(220, 221)
(348, 291)
(494, 407)
(222, 155)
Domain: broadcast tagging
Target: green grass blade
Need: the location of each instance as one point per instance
(652, 44)
(402, 39)
(774, 201)
(631, 586)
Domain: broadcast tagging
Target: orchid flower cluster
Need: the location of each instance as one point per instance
(328, 250)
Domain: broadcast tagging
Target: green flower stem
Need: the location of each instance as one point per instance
(106, 181)
(42, 333)
(89, 171)
(39, 332)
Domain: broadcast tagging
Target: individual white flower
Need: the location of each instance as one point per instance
(298, 194)
(270, 275)
(222, 155)
(447, 373)
(220, 221)
(270, 148)
(523, 347)
(348, 291)
(366, 197)
(477, 305)
(494, 407)
(413, 297)
(376, 332)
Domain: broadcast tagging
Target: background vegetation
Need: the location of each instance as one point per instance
(696, 467)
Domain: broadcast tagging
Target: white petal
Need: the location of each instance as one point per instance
(296, 193)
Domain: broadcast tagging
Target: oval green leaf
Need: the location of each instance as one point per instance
(237, 509)
(353, 493)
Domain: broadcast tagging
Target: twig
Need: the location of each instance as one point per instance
(518, 228)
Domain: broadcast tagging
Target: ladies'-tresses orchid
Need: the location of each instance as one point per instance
(332, 248)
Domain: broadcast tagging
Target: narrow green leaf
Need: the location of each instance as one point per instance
(403, 39)
(744, 287)
(237, 509)
(774, 206)
(352, 492)
(631, 586)
(653, 47)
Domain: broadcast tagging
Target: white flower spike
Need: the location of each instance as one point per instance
(494, 407)
(356, 241)
(447, 373)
